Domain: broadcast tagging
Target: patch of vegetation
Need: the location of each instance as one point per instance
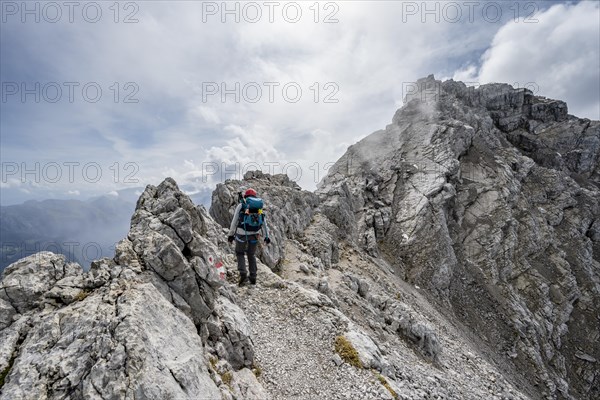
(348, 353)
(257, 370)
(82, 295)
(213, 362)
(386, 385)
(278, 268)
(227, 377)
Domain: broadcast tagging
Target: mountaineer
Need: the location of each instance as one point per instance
(247, 225)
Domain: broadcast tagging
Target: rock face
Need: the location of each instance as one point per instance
(490, 199)
(142, 326)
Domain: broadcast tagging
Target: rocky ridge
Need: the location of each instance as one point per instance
(488, 197)
(456, 260)
(157, 322)
(143, 325)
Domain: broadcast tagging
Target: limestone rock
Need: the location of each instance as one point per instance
(321, 239)
(246, 386)
(486, 196)
(26, 282)
(229, 328)
(368, 352)
(136, 326)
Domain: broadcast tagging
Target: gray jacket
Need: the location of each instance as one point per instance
(233, 227)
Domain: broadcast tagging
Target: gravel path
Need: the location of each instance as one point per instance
(294, 348)
(294, 327)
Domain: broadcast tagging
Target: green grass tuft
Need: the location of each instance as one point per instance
(385, 384)
(82, 295)
(348, 353)
(227, 377)
(257, 370)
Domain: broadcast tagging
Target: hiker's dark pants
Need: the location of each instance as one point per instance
(243, 246)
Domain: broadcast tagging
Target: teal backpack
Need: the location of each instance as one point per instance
(251, 217)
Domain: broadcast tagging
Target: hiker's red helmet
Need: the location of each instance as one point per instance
(250, 192)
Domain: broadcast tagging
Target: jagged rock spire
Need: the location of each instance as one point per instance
(489, 197)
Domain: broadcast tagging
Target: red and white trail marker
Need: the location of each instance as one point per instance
(218, 264)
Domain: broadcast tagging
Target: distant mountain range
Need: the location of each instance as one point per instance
(81, 230)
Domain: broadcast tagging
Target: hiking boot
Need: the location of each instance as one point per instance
(253, 280)
(243, 280)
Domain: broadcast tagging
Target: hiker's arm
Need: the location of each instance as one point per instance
(234, 220)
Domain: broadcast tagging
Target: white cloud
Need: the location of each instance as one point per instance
(173, 131)
(247, 148)
(74, 192)
(560, 54)
(10, 183)
(466, 74)
(113, 193)
(209, 114)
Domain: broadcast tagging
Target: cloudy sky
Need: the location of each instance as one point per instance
(104, 96)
